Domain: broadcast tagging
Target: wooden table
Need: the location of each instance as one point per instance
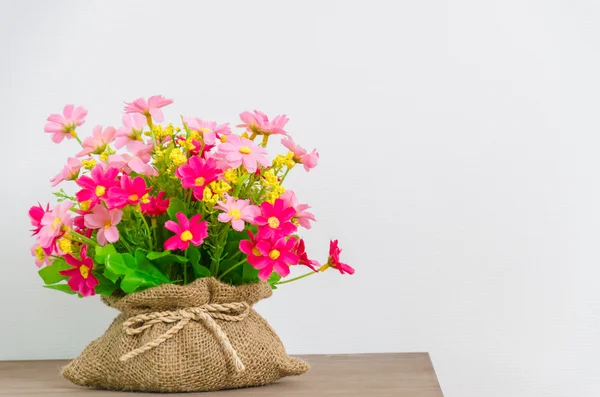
(397, 374)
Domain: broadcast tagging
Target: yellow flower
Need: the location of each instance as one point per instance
(177, 158)
(65, 245)
(269, 178)
(104, 155)
(231, 175)
(220, 187)
(88, 164)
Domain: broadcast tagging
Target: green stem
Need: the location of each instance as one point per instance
(231, 268)
(284, 175)
(143, 218)
(296, 278)
(185, 268)
(126, 244)
(79, 140)
(83, 238)
(149, 121)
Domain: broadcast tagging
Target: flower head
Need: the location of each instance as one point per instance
(155, 205)
(258, 123)
(81, 278)
(309, 160)
(106, 222)
(130, 192)
(136, 161)
(41, 254)
(237, 212)
(248, 247)
(54, 224)
(300, 250)
(302, 217)
(197, 174)
(98, 142)
(275, 220)
(36, 213)
(96, 186)
(150, 107)
(187, 230)
(334, 259)
(237, 151)
(69, 172)
(63, 126)
(275, 255)
(208, 130)
(131, 131)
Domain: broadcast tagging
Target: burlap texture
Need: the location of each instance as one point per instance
(193, 359)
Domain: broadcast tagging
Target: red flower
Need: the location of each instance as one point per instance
(275, 220)
(130, 192)
(300, 250)
(334, 259)
(81, 278)
(96, 187)
(155, 205)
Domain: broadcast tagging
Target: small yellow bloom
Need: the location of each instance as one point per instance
(88, 164)
(85, 205)
(177, 158)
(231, 175)
(104, 155)
(65, 245)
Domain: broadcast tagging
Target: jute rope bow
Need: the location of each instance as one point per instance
(205, 313)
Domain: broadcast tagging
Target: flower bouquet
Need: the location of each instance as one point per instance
(182, 229)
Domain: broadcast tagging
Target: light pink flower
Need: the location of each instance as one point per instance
(302, 216)
(64, 125)
(136, 161)
(41, 254)
(131, 131)
(237, 212)
(69, 172)
(53, 223)
(209, 130)
(106, 222)
(309, 160)
(151, 107)
(98, 141)
(239, 151)
(258, 122)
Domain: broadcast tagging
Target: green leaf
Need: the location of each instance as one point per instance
(193, 254)
(116, 264)
(273, 280)
(102, 252)
(105, 286)
(50, 274)
(175, 206)
(152, 255)
(61, 287)
(249, 273)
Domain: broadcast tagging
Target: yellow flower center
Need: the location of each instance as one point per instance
(235, 214)
(100, 190)
(245, 150)
(223, 138)
(273, 222)
(56, 222)
(134, 197)
(186, 236)
(39, 253)
(274, 254)
(255, 251)
(107, 224)
(199, 181)
(145, 199)
(84, 270)
(85, 205)
(204, 129)
(65, 245)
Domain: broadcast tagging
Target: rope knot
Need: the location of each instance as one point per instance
(206, 314)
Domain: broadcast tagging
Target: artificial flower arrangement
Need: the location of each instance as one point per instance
(188, 225)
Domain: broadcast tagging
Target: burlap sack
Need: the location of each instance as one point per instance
(196, 357)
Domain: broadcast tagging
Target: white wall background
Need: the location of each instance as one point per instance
(459, 168)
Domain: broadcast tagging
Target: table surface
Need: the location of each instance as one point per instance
(395, 374)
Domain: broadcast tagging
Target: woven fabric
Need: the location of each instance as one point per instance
(193, 359)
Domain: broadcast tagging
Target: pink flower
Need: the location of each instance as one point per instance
(130, 192)
(155, 206)
(81, 278)
(197, 174)
(64, 125)
(309, 160)
(53, 224)
(209, 130)
(300, 250)
(257, 122)
(334, 259)
(275, 220)
(106, 222)
(150, 108)
(237, 212)
(275, 255)
(96, 187)
(137, 161)
(41, 254)
(131, 132)
(186, 231)
(36, 213)
(98, 141)
(237, 151)
(248, 247)
(69, 172)
(302, 217)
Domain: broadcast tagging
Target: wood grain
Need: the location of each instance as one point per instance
(396, 374)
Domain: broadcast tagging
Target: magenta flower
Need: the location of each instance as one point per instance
(149, 108)
(237, 151)
(275, 220)
(257, 122)
(248, 247)
(334, 259)
(300, 250)
(130, 192)
(63, 126)
(309, 160)
(53, 224)
(97, 143)
(186, 231)
(209, 130)
(155, 206)
(36, 213)
(302, 217)
(69, 172)
(197, 174)
(106, 222)
(131, 131)
(96, 187)
(276, 256)
(237, 212)
(81, 278)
